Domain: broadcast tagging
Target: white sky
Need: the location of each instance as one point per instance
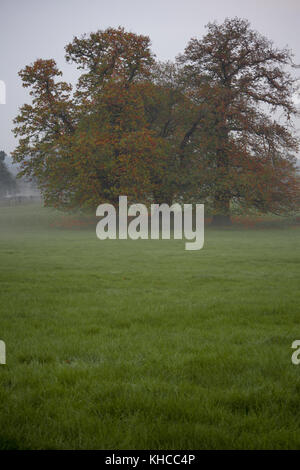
(32, 29)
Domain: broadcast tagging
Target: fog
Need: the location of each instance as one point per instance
(39, 29)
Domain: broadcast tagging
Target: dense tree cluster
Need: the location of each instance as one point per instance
(204, 128)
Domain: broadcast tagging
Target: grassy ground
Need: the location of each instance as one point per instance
(143, 345)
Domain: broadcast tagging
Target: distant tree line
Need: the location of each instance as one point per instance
(201, 129)
(7, 180)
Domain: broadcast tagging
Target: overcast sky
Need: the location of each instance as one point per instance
(32, 29)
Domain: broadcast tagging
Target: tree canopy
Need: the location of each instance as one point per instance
(215, 126)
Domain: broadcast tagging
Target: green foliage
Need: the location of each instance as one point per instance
(240, 79)
(196, 130)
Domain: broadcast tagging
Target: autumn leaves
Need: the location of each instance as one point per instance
(190, 131)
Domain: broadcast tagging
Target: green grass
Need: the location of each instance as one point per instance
(143, 345)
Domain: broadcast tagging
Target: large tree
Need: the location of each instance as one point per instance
(197, 130)
(242, 137)
(90, 146)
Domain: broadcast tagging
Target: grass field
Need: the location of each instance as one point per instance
(143, 345)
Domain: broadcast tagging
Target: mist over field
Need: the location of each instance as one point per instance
(114, 334)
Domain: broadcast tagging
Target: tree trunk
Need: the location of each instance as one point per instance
(221, 217)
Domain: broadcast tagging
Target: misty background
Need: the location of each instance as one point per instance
(35, 29)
